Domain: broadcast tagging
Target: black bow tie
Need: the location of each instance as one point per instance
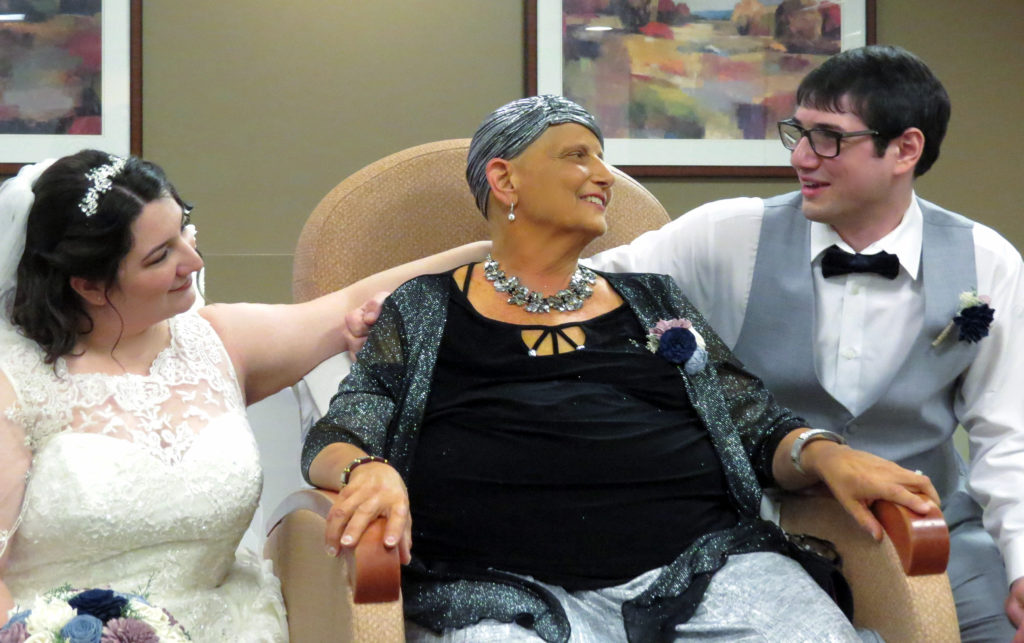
(836, 261)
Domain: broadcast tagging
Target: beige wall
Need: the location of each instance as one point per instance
(257, 108)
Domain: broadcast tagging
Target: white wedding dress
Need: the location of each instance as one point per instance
(144, 484)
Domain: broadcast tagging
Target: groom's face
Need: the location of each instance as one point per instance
(849, 189)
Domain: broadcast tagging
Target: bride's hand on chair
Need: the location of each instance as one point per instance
(374, 490)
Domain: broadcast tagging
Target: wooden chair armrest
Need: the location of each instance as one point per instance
(374, 571)
(898, 586)
(922, 541)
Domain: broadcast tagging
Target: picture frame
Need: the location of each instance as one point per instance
(627, 72)
(109, 119)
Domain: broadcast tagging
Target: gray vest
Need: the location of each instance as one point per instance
(912, 422)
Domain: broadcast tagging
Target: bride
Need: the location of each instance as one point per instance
(126, 460)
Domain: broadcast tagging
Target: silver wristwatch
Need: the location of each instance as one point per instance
(806, 438)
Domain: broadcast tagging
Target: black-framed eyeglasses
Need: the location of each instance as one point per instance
(824, 142)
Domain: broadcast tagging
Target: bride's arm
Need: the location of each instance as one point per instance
(272, 346)
(15, 458)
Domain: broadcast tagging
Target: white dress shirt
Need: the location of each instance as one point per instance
(864, 326)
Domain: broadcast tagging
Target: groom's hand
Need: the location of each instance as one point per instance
(1015, 608)
(359, 321)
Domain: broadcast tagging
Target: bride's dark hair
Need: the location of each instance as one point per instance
(62, 241)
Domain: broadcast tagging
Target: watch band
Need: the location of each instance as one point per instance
(806, 438)
(366, 459)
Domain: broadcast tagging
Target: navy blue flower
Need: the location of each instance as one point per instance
(104, 604)
(84, 628)
(677, 345)
(974, 322)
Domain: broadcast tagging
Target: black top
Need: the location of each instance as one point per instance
(544, 465)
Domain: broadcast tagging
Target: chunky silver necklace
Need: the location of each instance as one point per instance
(571, 298)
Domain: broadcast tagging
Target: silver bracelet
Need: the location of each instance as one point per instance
(806, 438)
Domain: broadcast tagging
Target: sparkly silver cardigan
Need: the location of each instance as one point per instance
(380, 405)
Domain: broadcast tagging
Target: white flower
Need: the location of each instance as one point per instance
(170, 634)
(43, 637)
(151, 615)
(970, 298)
(159, 621)
(48, 616)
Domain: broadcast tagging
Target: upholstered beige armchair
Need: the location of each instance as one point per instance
(416, 202)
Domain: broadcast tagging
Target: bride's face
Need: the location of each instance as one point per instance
(154, 280)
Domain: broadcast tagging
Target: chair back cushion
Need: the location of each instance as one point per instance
(415, 203)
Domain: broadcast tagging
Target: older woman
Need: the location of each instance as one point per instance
(583, 465)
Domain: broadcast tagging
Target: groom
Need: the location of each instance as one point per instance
(836, 296)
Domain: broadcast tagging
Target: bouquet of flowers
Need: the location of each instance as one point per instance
(92, 616)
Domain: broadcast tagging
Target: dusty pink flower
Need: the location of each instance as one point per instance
(128, 630)
(666, 324)
(14, 633)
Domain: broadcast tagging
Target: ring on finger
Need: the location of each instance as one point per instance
(919, 472)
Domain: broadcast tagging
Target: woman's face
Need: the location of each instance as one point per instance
(154, 280)
(562, 179)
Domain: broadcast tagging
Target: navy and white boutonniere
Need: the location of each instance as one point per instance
(972, 318)
(676, 341)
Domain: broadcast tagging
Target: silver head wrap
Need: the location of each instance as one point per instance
(510, 129)
(16, 199)
(101, 181)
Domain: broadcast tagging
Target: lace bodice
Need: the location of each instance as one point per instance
(190, 382)
(142, 482)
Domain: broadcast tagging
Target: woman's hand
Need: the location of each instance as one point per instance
(858, 478)
(374, 490)
(359, 321)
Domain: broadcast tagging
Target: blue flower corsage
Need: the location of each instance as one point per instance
(973, 318)
(678, 342)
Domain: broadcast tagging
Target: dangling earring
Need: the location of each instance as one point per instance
(511, 211)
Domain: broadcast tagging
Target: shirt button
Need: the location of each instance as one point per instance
(849, 353)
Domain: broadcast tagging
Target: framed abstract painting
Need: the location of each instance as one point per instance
(688, 87)
(70, 78)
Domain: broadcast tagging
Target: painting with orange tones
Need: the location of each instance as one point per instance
(64, 78)
(689, 87)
